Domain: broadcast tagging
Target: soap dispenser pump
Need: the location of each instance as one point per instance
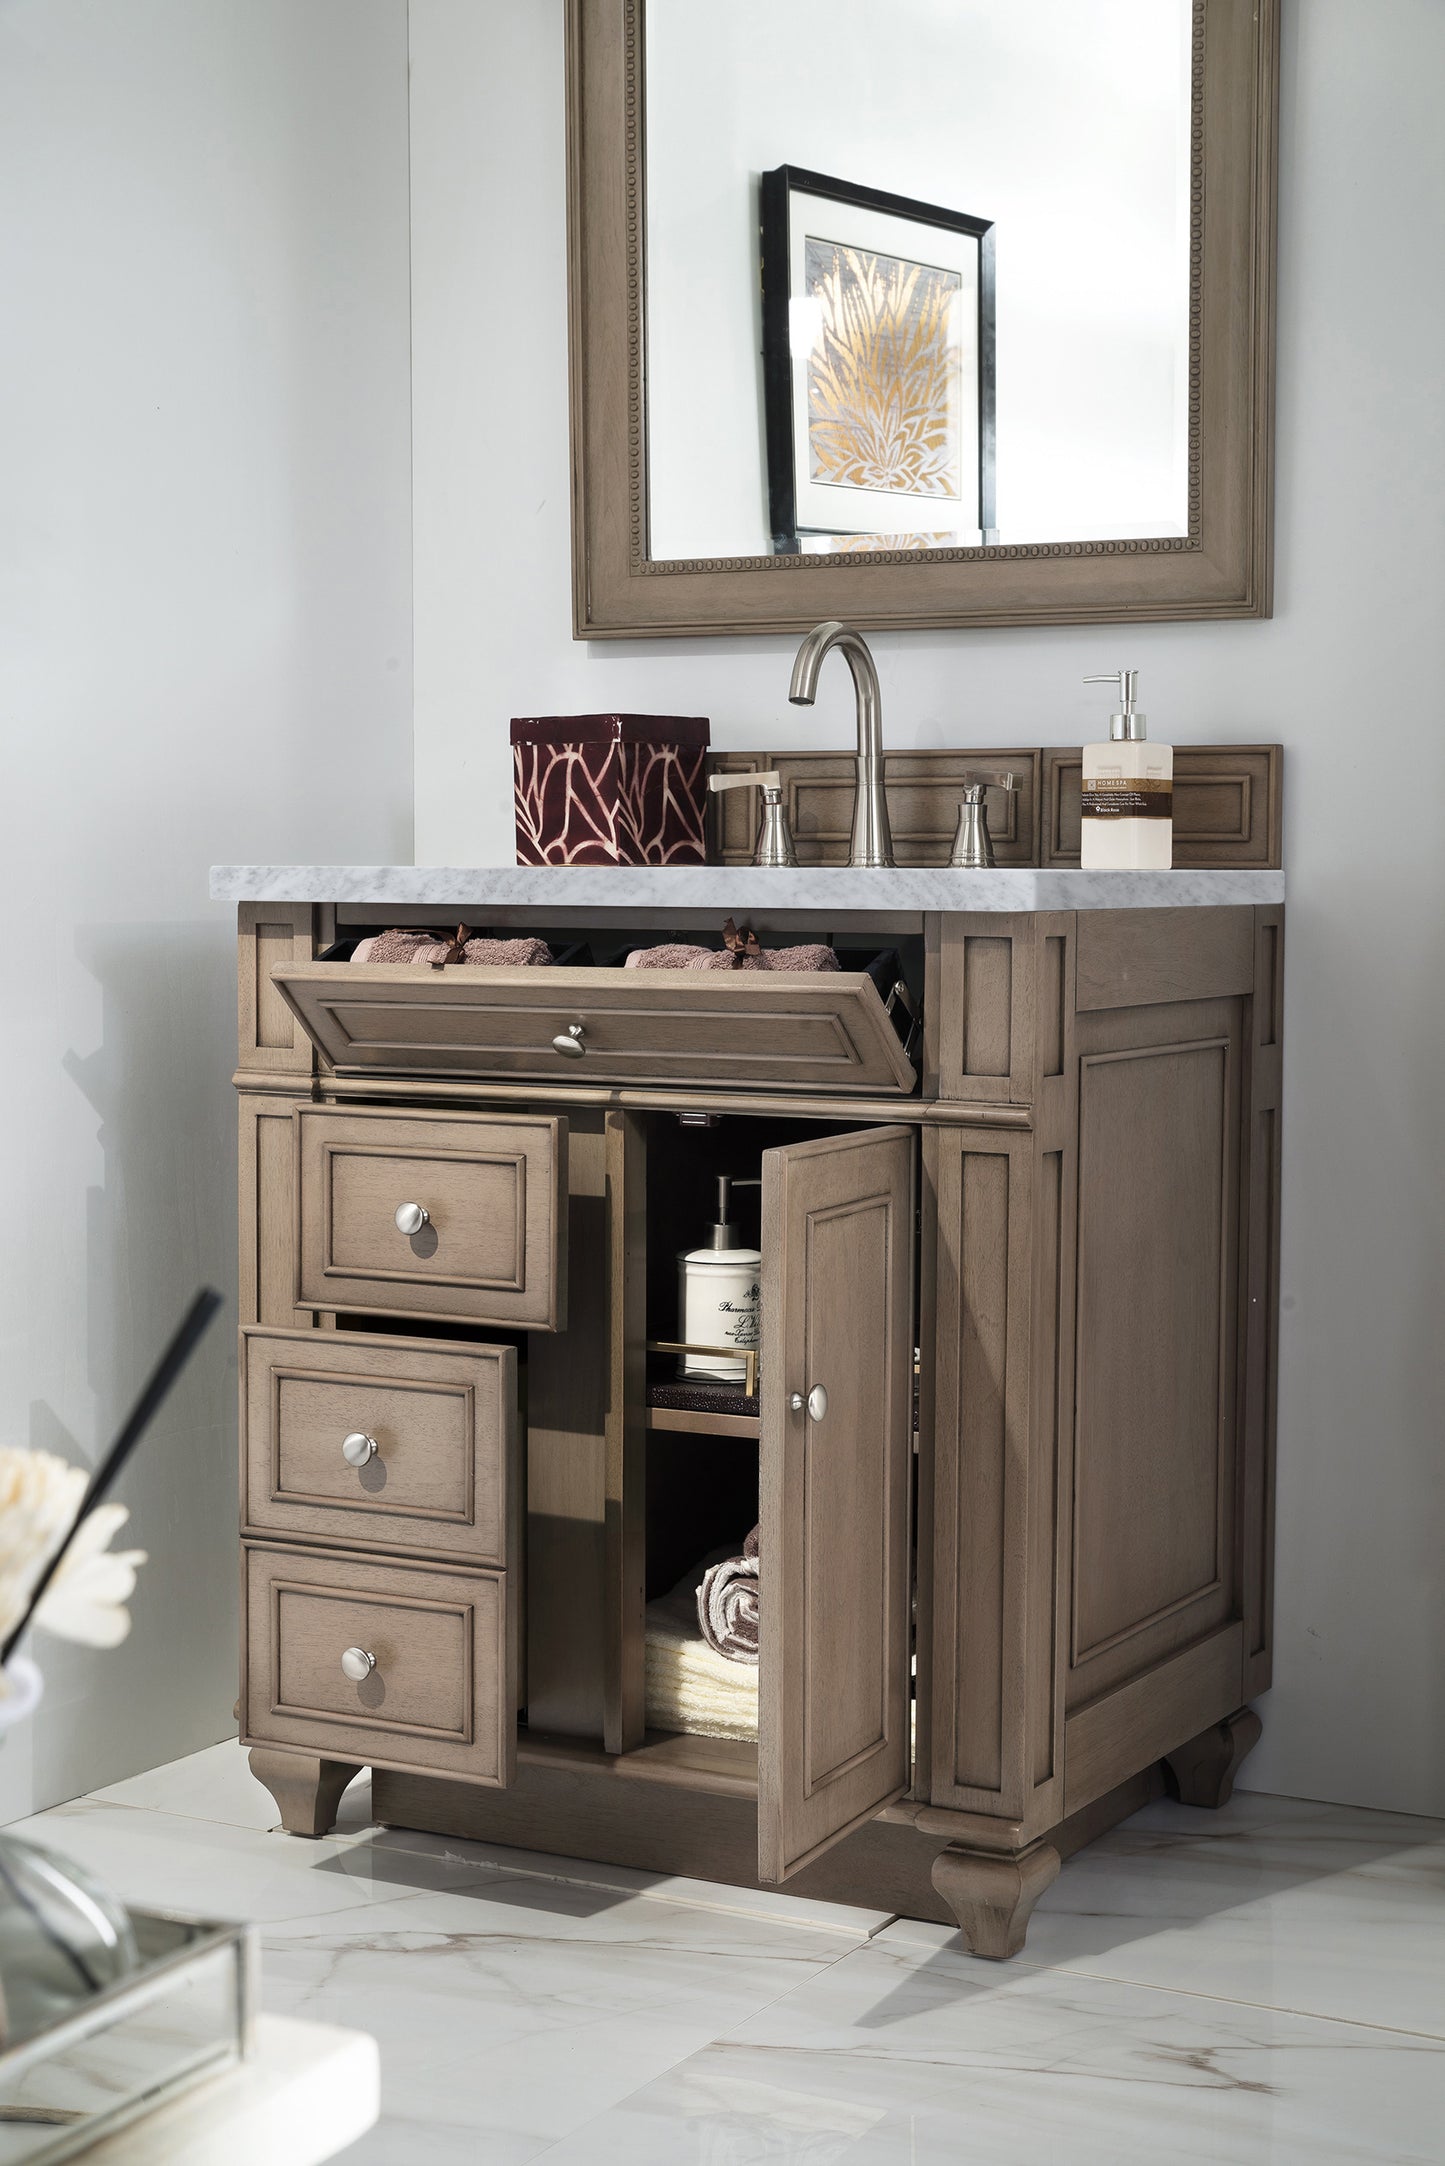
(719, 1289)
(1127, 807)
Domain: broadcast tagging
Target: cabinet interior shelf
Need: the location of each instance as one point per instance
(697, 1421)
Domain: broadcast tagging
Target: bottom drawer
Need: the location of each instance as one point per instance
(439, 1695)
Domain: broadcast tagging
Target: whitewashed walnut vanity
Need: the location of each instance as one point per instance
(1011, 1589)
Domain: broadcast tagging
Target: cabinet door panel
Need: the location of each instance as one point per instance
(838, 1235)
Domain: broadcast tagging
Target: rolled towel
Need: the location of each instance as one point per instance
(727, 1604)
(424, 948)
(676, 955)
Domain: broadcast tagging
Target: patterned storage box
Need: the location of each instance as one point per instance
(610, 789)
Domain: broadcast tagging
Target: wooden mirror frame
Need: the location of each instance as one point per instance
(1222, 568)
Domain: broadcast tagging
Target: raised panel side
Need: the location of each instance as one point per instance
(987, 1019)
(270, 1041)
(266, 1180)
(993, 1500)
(1154, 1555)
(1260, 1190)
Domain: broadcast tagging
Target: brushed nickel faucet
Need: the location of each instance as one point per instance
(872, 842)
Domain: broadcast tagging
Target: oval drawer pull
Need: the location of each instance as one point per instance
(357, 1664)
(816, 1402)
(411, 1217)
(357, 1448)
(571, 1042)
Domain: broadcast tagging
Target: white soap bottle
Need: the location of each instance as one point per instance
(719, 1290)
(1127, 811)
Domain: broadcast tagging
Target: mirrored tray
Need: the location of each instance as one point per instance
(187, 2013)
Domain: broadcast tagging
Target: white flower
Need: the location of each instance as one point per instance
(39, 1498)
(87, 1597)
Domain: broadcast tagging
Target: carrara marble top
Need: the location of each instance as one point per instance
(833, 889)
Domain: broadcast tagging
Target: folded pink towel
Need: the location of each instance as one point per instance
(727, 1604)
(675, 955)
(405, 947)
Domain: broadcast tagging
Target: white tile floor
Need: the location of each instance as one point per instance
(1244, 1988)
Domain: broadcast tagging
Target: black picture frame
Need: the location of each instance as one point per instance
(776, 189)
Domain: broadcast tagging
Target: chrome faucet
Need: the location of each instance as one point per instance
(872, 842)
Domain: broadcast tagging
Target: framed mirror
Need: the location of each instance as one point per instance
(958, 312)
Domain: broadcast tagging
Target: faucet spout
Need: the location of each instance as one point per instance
(872, 842)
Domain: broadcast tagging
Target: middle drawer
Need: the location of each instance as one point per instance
(460, 1217)
(381, 1443)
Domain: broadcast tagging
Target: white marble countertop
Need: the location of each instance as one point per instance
(834, 889)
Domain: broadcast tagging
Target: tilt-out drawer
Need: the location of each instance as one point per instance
(380, 1443)
(440, 1694)
(805, 1030)
(491, 1247)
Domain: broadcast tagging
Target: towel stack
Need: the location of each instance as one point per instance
(702, 1649)
(399, 946)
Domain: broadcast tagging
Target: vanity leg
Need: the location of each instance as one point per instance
(992, 1897)
(307, 1790)
(1203, 1771)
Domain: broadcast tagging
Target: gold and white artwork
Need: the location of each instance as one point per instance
(883, 373)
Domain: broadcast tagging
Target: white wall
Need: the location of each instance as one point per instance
(1067, 126)
(1348, 674)
(204, 655)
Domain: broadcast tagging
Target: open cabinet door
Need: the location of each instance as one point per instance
(837, 1440)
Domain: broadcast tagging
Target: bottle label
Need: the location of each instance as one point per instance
(1141, 797)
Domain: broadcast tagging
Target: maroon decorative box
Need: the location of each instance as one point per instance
(610, 789)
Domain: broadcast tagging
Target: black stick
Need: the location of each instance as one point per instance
(141, 1415)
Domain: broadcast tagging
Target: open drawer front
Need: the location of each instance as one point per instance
(815, 1031)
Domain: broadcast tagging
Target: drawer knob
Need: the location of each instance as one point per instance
(411, 1217)
(357, 1664)
(816, 1402)
(571, 1042)
(357, 1448)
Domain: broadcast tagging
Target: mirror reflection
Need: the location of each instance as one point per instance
(917, 276)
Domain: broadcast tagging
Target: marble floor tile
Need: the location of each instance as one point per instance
(1258, 1987)
(217, 1784)
(899, 2057)
(511, 2011)
(163, 1861)
(845, 1920)
(1325, 1909)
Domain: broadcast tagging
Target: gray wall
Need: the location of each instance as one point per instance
(1348, 674)
(204, 655)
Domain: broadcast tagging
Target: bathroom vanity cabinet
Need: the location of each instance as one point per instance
(1015, 1554)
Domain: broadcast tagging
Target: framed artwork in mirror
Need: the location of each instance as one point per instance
(878, 368)
(795, 398)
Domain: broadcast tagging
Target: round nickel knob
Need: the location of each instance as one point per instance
(357, 1664)
(816, 1402)
(411, 1217)
(357, 1448)
(571, 1042)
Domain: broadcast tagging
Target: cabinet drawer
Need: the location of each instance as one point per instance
(440, 1695)
(492, 1248)
(441, 1423)
(784, 1031)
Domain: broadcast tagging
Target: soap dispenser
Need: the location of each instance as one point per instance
(719, 1289)
(1127, 809)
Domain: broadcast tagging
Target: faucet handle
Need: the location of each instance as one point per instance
(765, 779)
(980, 778)
(775, 844)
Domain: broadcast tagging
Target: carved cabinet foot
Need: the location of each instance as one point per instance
(1204, 1770)
(307, 1790)
(992, 1897)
